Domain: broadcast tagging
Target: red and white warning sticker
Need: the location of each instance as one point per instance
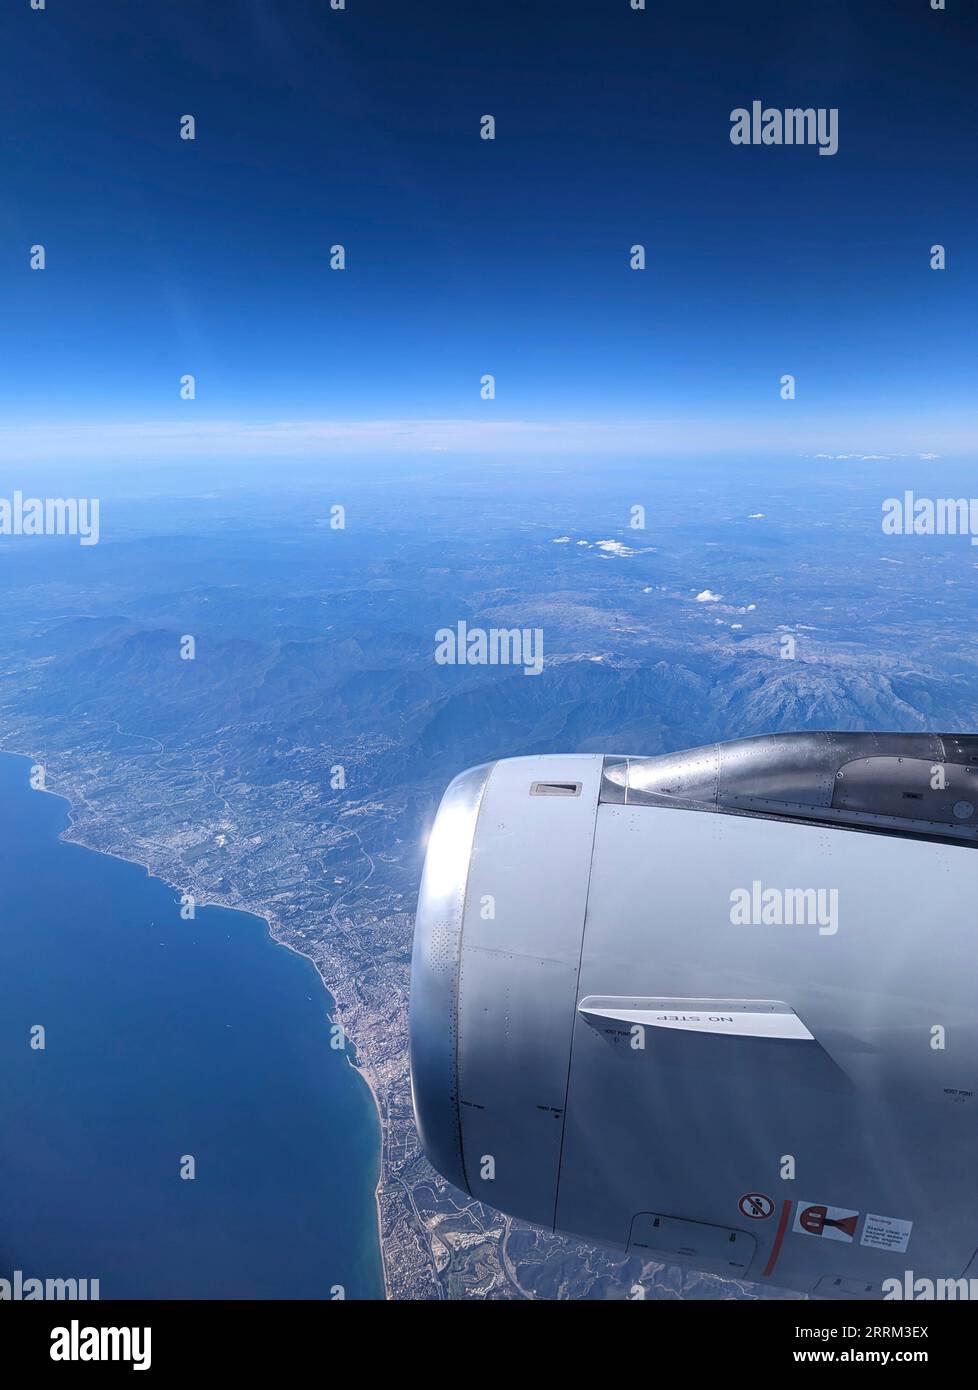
(816, 1219)
(757, 1205)
(886, 1233)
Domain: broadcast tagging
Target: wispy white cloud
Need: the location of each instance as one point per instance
(615, 547)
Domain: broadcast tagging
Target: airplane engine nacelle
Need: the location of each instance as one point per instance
(717, 1008)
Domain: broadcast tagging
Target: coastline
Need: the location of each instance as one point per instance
(273, 929)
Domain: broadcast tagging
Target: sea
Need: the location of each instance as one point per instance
(186, 1129)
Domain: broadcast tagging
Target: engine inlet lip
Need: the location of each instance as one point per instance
(435, 964)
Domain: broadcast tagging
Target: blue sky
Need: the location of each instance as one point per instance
(467, 256)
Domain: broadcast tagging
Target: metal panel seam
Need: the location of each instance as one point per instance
(573, 1021)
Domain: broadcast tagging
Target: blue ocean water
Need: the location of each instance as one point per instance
(167, 1038)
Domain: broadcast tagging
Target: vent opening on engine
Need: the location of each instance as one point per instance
(555, 789)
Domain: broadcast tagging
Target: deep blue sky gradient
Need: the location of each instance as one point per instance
(361, 126)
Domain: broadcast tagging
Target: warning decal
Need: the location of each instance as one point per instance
(757, 1205)
(886, 1233)
(815, 1219)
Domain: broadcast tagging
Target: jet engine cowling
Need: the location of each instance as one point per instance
(717, 1008)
